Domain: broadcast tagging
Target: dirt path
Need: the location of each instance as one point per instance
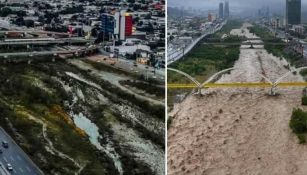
(239, 131)
(52, 149)
(114, 79)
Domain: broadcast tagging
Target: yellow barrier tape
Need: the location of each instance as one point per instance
(236, 85)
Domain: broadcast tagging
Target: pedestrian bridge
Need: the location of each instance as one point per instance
(237, 85)
(208, 83)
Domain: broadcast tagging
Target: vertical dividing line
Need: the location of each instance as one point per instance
(165, 67)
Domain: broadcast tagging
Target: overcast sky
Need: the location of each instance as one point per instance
(234, 4)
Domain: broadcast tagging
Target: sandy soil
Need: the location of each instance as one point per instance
(239, 131)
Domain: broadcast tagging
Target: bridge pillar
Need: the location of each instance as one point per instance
(273, 91)
(199, 91)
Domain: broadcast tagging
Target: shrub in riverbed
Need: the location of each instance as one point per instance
(301, 138)
(298, 124)
(304, 100)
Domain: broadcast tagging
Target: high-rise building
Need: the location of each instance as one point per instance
(226, 12)
(267, 12)
(293, 12)
(119, 25)
(221, 10)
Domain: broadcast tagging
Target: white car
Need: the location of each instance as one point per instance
(9, 167)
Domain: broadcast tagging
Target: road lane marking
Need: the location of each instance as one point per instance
(5, 159)
(21, 170)
(18, 157)
(28, 168)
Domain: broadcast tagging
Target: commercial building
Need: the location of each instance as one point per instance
(293, 12)
(221, 10)
(118, 25)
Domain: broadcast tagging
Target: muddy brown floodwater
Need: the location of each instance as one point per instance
(238, 131)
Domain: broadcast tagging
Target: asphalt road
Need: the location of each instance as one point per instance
(128, 66)
(21, 163)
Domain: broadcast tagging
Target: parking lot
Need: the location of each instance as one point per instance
(14, 155)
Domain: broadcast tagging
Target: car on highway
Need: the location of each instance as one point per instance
(9, 167)
(5, 144)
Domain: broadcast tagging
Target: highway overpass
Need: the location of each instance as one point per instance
(48, 53)
(74, 40)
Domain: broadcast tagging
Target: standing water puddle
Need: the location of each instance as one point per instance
(92, 131)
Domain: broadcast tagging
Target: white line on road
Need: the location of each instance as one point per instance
(21, 170)
(18, 157)
(5, 159)
(28, 169)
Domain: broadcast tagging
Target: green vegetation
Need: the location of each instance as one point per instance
(34, 92)
(298, 124)
(205, 60)
(261, 32)
(155, 110)
(231, 24)
(147, 87)
(276, 50)
(304, 100)
(22, 101)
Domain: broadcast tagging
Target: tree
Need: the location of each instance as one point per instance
(5, 12)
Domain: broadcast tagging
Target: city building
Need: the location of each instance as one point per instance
(293, 12)
(298, 29)
(118, 25)
(210, 17)
(226, 11)
(221, 10)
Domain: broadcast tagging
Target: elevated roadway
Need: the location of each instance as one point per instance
(46, 53)
(35, 32)
(32, 41)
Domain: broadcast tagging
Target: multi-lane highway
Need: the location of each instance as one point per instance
(180, 52)
(14, 155)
